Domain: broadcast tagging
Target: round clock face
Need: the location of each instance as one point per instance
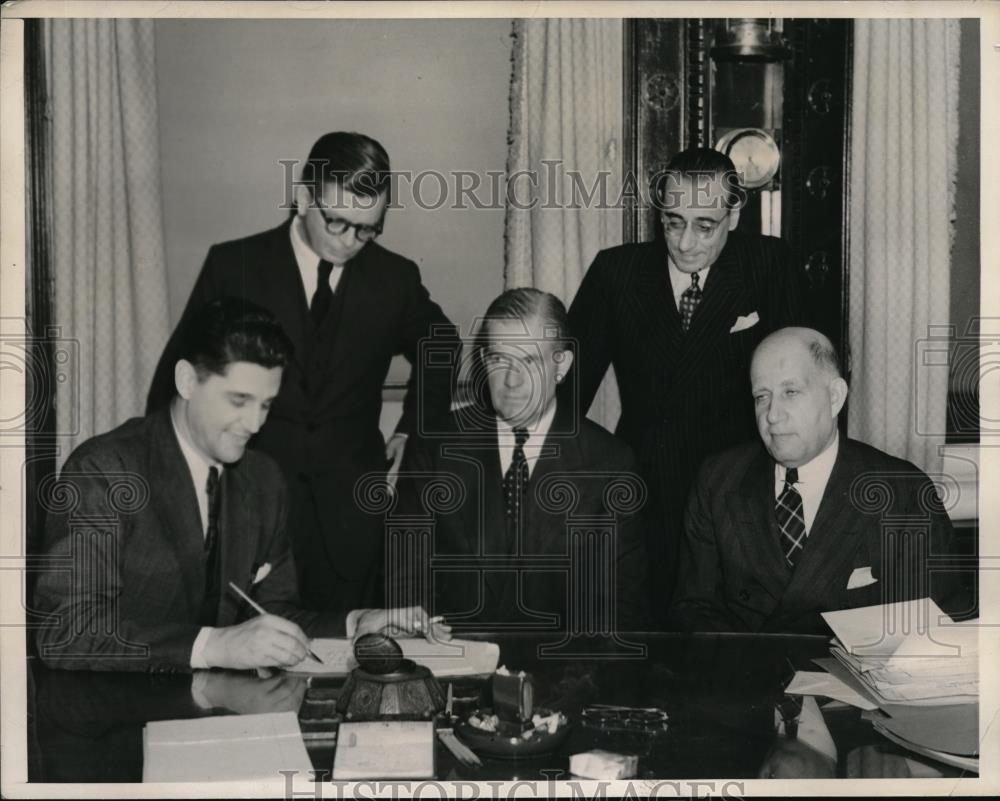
(755, 154)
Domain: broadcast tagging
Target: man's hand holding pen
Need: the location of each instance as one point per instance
(262, 641)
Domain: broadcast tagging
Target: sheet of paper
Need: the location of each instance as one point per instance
(877, 631)
(818, 683)
(838, 671)
(384, 750)
(453, 658)
(224, 748)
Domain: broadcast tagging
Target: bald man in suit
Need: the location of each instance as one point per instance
(806, 521)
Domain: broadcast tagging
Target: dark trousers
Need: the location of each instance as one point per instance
(329, 580)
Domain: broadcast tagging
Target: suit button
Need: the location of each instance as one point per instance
(744, 595)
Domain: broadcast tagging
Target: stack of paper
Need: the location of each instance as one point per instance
(224, 748)
(908, 653)
(918, 667)
(452, 658)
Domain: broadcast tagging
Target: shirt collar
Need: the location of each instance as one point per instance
(196, 461)
(540, 430)
(305, 256)
(681, 280)
(816, 471)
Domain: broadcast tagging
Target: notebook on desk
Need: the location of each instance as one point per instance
(224, 748)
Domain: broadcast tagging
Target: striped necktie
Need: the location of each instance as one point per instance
(791, 522)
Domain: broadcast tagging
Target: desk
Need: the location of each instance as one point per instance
(719, 691)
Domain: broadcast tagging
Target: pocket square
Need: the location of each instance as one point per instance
(743, 323)
(861, 577)
(262, 573)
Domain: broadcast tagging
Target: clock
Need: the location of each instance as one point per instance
(755, 154)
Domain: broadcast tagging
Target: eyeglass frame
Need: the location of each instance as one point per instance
(359, 228)
(667, 217)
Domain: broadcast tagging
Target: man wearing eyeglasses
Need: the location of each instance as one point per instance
(349, 305)
(678, 319)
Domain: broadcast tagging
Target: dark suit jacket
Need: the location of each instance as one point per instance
(124, 576)
(324, 425)
(733, 574)
(475, 572)
(683, 396)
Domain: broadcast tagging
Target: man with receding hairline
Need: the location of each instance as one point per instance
(500, 554)
(807, 521)
(677, 318)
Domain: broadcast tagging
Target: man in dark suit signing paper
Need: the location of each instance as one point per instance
(348, 305)
(149, 524)
(678, 318)
(805, 521)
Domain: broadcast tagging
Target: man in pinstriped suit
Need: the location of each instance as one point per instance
(678, 318)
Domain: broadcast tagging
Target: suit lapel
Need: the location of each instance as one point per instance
(759, 534)
(356, 299)
(716, 312)
(287, 295)
(560, 453)
(178, 507)
(832, 541)
(236, 540)
(476, 460)
(655, 307)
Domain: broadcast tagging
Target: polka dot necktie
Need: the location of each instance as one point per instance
(788, 511)
(689, 302)
(516, 477)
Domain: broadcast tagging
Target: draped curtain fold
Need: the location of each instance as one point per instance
(903, 165)
(107, 245)
(564, 159)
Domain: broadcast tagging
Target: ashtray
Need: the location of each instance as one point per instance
(492, 738)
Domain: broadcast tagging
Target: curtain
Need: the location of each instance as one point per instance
(903, 160)
(564, 160)
(107, 238)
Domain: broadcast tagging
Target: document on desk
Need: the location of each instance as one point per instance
(384, 749)
(908, 652)
(224, 748)
(872, 632)
(452, 658)
(806, 682)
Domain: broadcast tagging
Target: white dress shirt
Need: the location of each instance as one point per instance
(813, 478)
(199, 467)
(308, 261)
(532, 446)
(680, 280)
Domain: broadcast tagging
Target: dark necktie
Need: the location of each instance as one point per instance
(791, 522)
(323, 296)
(213, 577)
(212, 490)
(516, 477)
(690, 299)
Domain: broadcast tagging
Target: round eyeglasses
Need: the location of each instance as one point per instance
(704, 228)
(338, 225)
